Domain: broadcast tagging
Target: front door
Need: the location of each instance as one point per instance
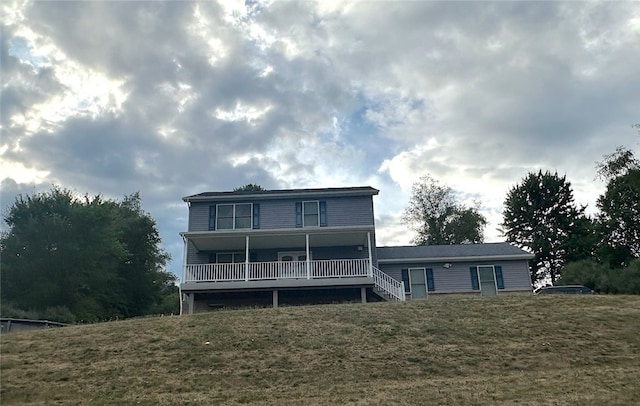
(487, 278)
(418, 282)
(294, 265)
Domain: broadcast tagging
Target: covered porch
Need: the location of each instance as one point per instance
(268, 255)
(321, 259)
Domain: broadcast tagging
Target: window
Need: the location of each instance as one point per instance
(489, 274)
(233, 216)
(311, 214)
(230, 257)
(422, 277)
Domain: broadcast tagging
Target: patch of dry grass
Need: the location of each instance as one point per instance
(526, 350)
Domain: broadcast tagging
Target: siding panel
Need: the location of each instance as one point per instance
(199, 217)
(456, 279)
(278, 214)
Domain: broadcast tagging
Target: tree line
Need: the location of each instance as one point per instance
(541, 216)
(71, 259)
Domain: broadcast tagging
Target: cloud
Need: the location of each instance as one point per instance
(176, 98)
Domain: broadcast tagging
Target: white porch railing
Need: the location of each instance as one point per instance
(388, 285)
(255, 271)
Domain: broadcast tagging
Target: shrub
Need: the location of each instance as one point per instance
(601, 278)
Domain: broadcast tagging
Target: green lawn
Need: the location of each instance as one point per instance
(554, 350)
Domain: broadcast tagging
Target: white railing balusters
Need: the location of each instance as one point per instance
(319, 269)
(387, 284)
(331, 268)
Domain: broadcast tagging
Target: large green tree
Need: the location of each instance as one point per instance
(95, 258)
(540, 215)
(619, 217)
(438, 218)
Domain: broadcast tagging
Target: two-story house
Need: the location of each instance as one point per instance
(292, 246)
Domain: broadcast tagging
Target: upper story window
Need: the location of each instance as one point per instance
(236, 216)
(311, 214)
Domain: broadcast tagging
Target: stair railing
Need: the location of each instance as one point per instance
(393, 288)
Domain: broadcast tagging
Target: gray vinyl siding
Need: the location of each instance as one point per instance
(517, 276)
(276, 214)
(199, 217)
(195, 257)
(279, 214)
(456, 279)
(350, 211)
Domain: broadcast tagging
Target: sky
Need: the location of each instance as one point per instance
(176, 98)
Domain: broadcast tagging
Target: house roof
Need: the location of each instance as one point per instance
(461, 252)
(280, 193)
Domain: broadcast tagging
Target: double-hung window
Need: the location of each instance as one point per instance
(311, 214)
(233, 216)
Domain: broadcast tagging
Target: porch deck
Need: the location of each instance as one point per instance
(277, 274)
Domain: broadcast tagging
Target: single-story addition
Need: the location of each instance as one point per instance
(294, 246)
(486, 269)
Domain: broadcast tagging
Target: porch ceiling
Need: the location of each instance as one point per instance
(228, 241)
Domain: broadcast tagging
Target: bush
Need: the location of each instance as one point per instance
(61, 314)
(587, 272)
(601, 278)
(10, 310)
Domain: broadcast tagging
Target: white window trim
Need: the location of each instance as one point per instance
(495, 280)
(317, 202)
(234, 216)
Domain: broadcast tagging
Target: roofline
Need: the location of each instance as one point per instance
(457, 258)
(286, 193)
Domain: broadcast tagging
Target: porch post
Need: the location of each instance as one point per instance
(190, 298)
(184, 259)
(246, 259)
(275, 299)
(308, 259)
(363, 295)
(370, 255)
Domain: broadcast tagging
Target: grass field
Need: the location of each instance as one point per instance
(554, 350)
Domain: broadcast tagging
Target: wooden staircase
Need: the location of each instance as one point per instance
(386, 287)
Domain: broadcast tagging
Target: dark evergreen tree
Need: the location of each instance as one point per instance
(438, 218)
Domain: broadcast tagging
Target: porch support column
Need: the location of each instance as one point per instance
(246, 259)
(363, 295)
(190, 298)
(308, 259)
(275, 299)
(370, 255)
(184, 259)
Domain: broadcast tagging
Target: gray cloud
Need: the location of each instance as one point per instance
(496, 89)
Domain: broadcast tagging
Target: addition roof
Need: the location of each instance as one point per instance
(280, 193)
(461, 252)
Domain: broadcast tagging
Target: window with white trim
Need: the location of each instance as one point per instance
(311, 214)
(233, 216)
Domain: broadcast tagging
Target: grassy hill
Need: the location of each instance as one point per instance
(581, 350)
